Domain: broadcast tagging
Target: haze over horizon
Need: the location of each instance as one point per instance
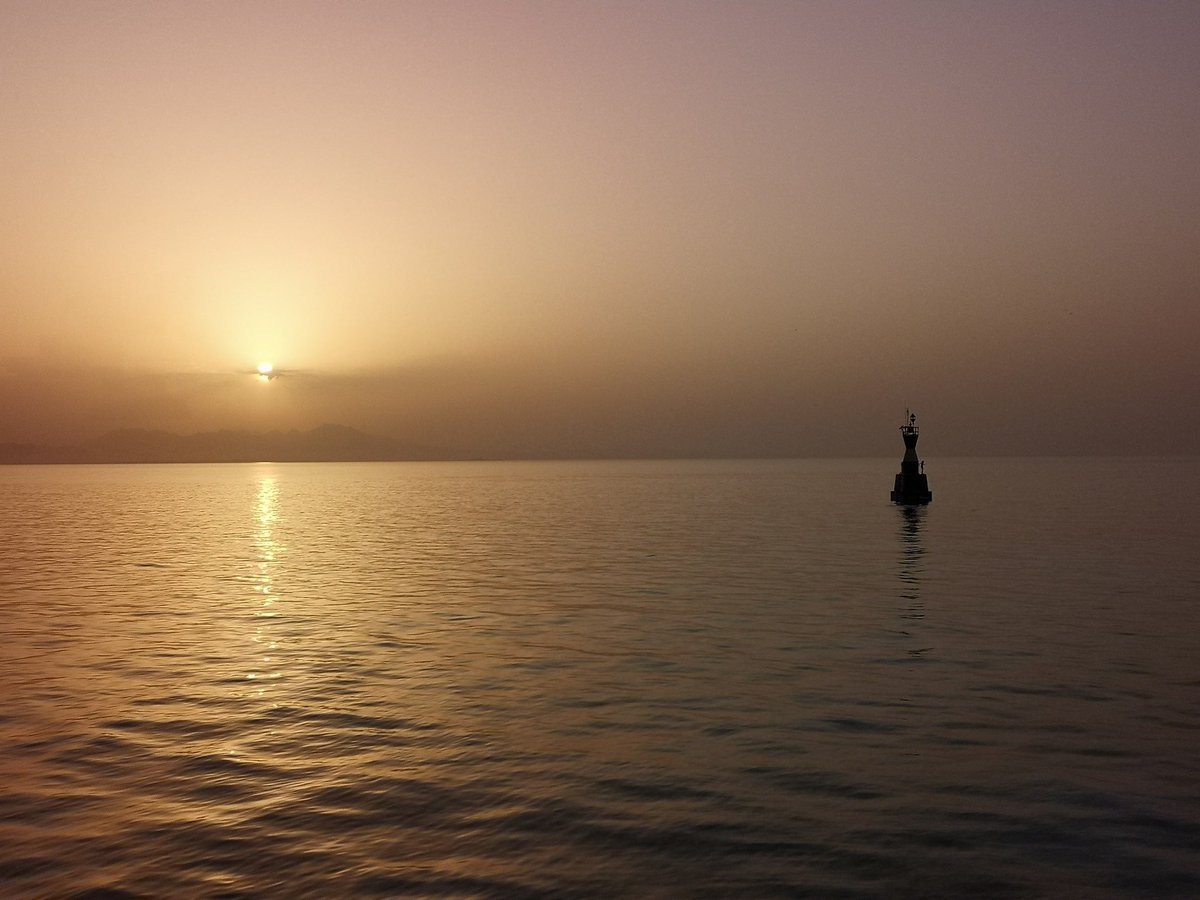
(606, 229)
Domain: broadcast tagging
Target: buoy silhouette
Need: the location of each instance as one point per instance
(911, 484)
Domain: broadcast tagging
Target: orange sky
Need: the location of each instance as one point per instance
(589, 229)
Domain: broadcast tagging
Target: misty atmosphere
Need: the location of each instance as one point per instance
(621, 230)
(512, 449)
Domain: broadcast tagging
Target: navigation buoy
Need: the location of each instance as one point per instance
(911, 484)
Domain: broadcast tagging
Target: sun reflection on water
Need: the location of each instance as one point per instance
(267, 551)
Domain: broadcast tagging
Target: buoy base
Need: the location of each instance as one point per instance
(926, 497)
(911, 489)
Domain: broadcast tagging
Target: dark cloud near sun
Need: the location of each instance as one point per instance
(529, 408)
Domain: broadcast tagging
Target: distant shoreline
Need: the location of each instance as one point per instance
(326, 443)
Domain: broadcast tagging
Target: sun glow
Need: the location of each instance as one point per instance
(264, 371)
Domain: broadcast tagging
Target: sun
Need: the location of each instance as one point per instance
(264, 371)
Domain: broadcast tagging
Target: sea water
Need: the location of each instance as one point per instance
(598, 679)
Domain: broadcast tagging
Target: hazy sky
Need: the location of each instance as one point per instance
(592, 228)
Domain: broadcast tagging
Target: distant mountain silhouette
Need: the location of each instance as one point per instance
(326, 443)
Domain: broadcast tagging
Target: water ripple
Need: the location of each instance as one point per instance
(584, 680)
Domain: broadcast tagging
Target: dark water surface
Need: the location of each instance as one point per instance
(651, 679)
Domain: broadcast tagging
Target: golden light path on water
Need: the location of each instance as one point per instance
(267, 549)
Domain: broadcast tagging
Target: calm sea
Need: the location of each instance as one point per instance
(644, 679)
